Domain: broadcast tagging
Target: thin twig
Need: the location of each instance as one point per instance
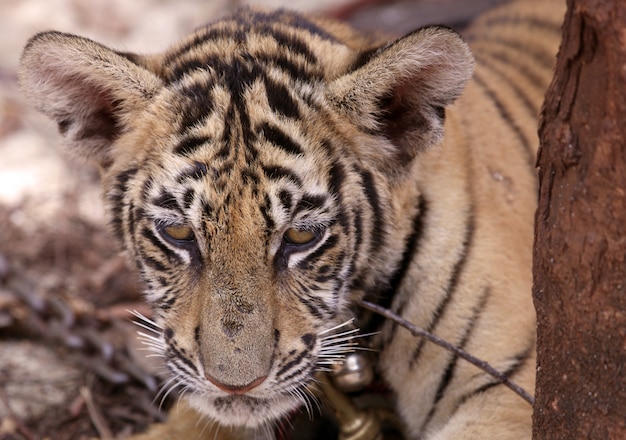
(95, 415)
(416, 331)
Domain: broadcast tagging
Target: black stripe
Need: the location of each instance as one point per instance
(188, 198)
(146, 187)
(196, 335)
(519, 361)
(308, 339)
(363, 58)
(116, 210)
(122, 179)
(286, 200)
(208, 216)
(529, 105)
(328, 313)
(197, 172)
(529, 147)
(343, 219)
(207, 210)
(163, 282)
(188, 66)
(357, 223)
(249, 177)
(167, 301)
(116, 203)
(329, 244)
(371, 193)
(238, 75)
(471, 324)
(172, 257)
(167, 200)
(287, 18)
(168, 333)
(337, 176)
(280, 100)
(448, 374)
(297, 71)
(385, 298)
(327, 272)
(197, 105)
(64, 125)
(266, 208)
(134, 213)
(310, 201)
(151, 261)
(290, 43)
(229, 133)
(450, 289)
(289, 365)
(277, 172)
(313, 310)
(303, 372)
(507, 48)
(280, 139)
(198, 39)
(180, 357)
(189, 145)
(341, 257)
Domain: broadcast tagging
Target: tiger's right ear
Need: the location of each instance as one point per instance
(400, 91)
(90, 90)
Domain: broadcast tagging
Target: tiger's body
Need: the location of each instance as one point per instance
(271, 169)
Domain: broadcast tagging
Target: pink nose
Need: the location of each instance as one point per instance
(236, 389)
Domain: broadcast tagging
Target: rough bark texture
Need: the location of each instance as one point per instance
(580, 242)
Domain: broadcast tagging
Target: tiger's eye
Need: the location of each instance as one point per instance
(180, 232)
(299, 236)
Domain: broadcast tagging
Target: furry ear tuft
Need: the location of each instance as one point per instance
(401, 90)
(88, 89)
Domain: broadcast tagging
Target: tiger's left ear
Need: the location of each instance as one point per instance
(400, 90)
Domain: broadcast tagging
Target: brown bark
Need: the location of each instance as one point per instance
(580, 241)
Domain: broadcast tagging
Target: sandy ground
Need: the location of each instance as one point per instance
(61, 279)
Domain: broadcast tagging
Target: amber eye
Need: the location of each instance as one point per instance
(299, 236)
(179, 233)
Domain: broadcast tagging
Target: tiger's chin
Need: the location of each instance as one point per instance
(243, 410)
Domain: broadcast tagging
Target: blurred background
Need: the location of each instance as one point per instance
(68, 367)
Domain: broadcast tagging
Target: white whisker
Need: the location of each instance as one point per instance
(267, 429)
(335, 346)
(169, 386)
(144, 321)
(348, 322)
(307, 398)
(148, 337)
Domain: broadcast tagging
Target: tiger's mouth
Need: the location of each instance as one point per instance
(244, 409)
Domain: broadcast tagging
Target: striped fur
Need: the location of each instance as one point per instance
(411, 181)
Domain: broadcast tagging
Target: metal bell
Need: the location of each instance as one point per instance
(354, 373)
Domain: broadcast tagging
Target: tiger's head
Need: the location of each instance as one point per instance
(256, 173)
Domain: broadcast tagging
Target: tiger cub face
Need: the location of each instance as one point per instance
(256, 173)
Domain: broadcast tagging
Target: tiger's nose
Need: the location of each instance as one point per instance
(236, 389)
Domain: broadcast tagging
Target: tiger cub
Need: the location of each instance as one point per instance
(271, 169)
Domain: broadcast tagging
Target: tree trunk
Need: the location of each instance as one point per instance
(580, 240)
